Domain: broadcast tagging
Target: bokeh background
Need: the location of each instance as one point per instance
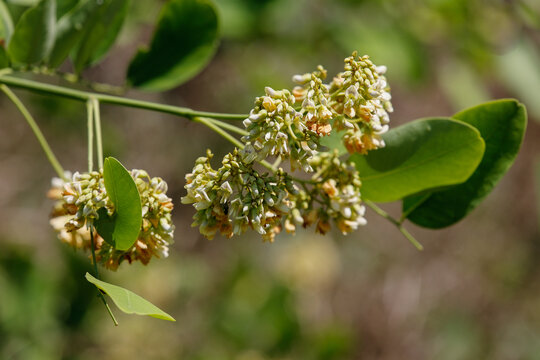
(473, 293)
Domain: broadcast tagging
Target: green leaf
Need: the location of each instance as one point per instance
(421, 155)
(128, 301)
(34, 34)
(70, 29)
(184, 41)
(100, 33)
(24, 2)
(502, 124)
(121, 230)
(63, 6)
(4, 60)
(334, 141)
(6, 24)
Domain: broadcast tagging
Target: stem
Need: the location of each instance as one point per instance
(398, 224)
(90, 127)
(413, 207)
(37, 132)
(80, 95)
(210, 124)
(228, 126)
(97, 276)
(99, 142)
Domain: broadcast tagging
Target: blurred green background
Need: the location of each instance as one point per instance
(473, 293)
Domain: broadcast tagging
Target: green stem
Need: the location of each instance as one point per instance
(97, 276)
(90, 127)
(398, 224)
(37, 132)
(80, 95)
(210, 124)
(228, 126)
(99, 142)
(413, 207)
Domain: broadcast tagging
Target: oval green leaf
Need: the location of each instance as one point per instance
(100, 32)
(33, 36)
(421, 155)
(70, 29)
(502, 124)
(123, 228)
(129, 302)
(6, 24)
(184, 41)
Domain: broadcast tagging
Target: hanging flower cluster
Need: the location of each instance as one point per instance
(235, 197)
(288, 125)
(79, 200)
(357, 99)
(277, 129)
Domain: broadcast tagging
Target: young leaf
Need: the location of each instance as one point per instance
(418, 156)
(184, 41)
(33, 36)
(100, 33)
(129, 302)
(6, 24)
(70, 29)
(122, 230)
(502, 124)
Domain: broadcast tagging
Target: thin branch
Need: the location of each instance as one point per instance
(97, 276)
(228, 126)
(387, 216)
(37, 132)
(90, 129)
(99, 142)
(80, 95)
(210, 124)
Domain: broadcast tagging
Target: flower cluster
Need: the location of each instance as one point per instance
(289, 125)
(357, 99)
(235, 197)
(79, 200)
(277, 129)
(361, 94)
(315, 101)
(334, 195)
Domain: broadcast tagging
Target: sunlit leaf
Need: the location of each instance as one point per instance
(128, 301)
(502, 125)
(33, 36)
(122, 229)
(421, 155)
(184, 41)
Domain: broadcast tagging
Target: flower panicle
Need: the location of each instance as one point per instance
(79, 200)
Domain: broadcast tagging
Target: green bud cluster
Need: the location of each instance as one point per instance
(236, 197)
(78, 202)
